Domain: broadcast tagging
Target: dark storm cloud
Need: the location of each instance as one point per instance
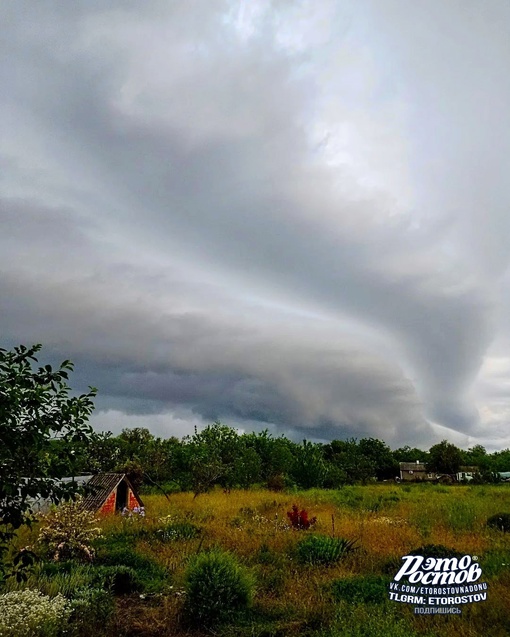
(168, 152)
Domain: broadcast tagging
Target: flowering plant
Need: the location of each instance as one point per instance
(67, 532)
(28, 613)
(299, 519)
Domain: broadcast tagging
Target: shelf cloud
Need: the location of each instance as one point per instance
(276, 214)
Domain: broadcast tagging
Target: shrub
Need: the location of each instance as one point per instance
(372, 589)
(500, 521)
(299, 519)
(120, 580)
(321, 549)
(68, 531)
(151, 577)
(92, 609)
(29, 613)
(217, 588)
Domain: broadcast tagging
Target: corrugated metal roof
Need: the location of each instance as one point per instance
(100, 486)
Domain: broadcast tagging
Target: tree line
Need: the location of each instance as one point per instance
(220, 455)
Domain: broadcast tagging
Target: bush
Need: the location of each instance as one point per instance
(29, 613)
(217, 588)
(92, 609)
(120, 580)
(68, 531)
(150, 576)
(372, 589)
(500, 521)
(299, 519)
(322, 549)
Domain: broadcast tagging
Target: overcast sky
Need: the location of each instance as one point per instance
(290, 215)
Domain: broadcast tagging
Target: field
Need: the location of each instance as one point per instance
(295, 595)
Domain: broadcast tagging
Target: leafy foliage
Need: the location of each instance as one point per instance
(41, 432)
(217, 589)
(444, 458)
(68, 532)
(120, 580)
(322, 549)
(92, 609)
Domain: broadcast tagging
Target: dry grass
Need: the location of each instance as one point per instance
(387, 521)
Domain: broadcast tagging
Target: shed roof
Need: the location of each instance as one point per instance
(100, 486)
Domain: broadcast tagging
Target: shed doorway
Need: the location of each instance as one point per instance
(121, 501)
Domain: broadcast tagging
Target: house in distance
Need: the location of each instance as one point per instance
(415, 472)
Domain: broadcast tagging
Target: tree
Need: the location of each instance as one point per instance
(212, 453)
(381, 456)
(309, 468)
(349, 462)
(444, 457)
(41, 429)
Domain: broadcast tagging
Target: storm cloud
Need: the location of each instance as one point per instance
(284, 215)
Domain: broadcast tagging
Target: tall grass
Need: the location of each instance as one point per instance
(385, 521)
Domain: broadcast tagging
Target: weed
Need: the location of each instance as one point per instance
(322, 549)
(178, 531)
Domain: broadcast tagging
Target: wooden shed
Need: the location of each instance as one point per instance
(110, 492)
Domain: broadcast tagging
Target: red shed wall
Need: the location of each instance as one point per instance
(109, 505)
(132, 501)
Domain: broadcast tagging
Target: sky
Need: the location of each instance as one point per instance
(283, 214)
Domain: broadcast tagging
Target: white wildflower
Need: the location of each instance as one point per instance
(29, 613)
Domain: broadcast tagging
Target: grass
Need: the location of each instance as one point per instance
(344, 598)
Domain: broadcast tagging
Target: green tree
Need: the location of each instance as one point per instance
(378, 452)
(309, 468)
(212, 455)
(42, 429)
(410, 454)
(444, 457)
(349, 461)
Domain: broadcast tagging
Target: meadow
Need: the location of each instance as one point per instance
(326, 589)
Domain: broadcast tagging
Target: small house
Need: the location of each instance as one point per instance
(110, 492)
(415, 472)
(104, 493)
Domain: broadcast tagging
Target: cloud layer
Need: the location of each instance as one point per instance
(276, 214)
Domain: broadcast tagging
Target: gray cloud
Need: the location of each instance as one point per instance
(170, 221)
